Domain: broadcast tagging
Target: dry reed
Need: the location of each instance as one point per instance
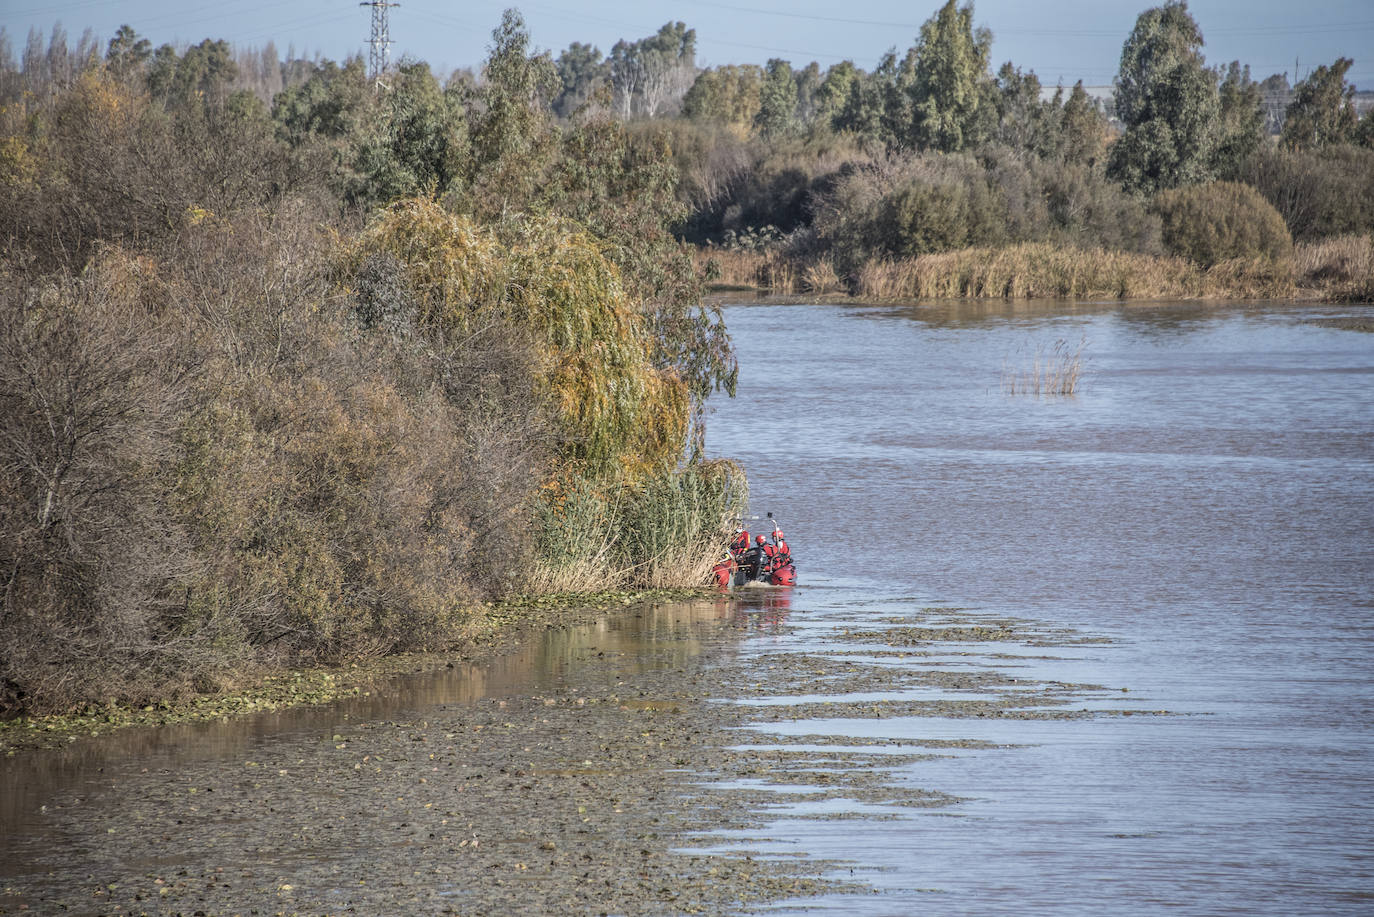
(1341, 268)
(1056, 371)
(1044, 271)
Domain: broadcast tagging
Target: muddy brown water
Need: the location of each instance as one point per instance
(1101, 654)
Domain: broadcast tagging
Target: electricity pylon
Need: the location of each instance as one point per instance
(380, 55)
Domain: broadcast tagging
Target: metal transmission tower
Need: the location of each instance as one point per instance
(380, 55)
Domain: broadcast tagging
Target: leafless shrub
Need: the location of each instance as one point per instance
(93, 379)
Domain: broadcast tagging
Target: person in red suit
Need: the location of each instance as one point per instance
(762, 559)
(740, 543)
(784, 553)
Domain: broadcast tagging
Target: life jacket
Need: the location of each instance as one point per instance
(724, 571)
(784, 552)
(740, 544)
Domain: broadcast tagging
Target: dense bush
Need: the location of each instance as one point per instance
(1319, 193)
(1216, 222)
(912, 205)
(213, 462)
(242, 428)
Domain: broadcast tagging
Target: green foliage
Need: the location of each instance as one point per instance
(865, 113)
(931, 217)
(833, 92)
(652, 74)
(1241, 129)
(201, 76)
(617, 414)
(1208, 224)
(666, 530)
(727, 95)
(623, 188)
(1168, 100)
(1024, 122)
(331, 104)
(777, 116)
(1322, 112)
(1082, 135)
(582, 71)
(1320, 193)
(127, 52)
(950, 92)
(513, 137)
(916, 205)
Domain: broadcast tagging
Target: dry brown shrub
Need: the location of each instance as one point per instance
(730, 269)
(95, 565)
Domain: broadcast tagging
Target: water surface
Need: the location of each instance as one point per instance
(1204, 504)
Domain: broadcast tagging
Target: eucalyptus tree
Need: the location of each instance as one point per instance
(950, 91)
(777, 115)
(833, 91)
(727, 95)
(650, 74)
(1241, 119)
(1323, 109)
(582, 70)
(1168, 100)
(514, 141)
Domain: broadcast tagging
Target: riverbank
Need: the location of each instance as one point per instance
(505, 625)
(1335, 270)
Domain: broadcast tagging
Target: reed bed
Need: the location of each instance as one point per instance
(1039, 270)
(1044, 271)
(1341, 268)
(663, 533)
(1057, 370)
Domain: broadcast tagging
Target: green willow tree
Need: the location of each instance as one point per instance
(1167, 98)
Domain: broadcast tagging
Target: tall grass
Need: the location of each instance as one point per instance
(1341, 268)
(1041, 270)
(664, 532)
(1031, 270)
(1054, 371)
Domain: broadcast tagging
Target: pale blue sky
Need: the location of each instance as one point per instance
(1059, 39)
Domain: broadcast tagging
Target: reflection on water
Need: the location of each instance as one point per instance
(661, 636)
(1204, 503)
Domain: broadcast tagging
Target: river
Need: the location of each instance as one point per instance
(1107, 653)
(1205, 502)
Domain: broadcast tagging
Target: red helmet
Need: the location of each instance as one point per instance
(777, 533)
(759, 539)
